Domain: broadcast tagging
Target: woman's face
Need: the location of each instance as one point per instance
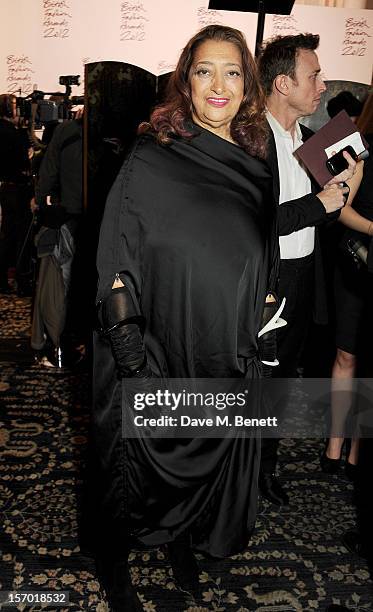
(217, 85)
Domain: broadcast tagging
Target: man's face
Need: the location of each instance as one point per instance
(306, 89)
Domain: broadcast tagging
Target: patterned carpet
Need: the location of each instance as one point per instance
(294, 562)
(14, 317)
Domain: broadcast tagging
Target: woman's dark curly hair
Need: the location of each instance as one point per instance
(248, 128)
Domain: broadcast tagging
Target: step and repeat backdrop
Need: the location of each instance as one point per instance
(41, 40)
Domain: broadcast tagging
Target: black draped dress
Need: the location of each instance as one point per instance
(190, 223)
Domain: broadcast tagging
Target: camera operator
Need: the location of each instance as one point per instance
(60, 180)
(50, 126)
(15, 193)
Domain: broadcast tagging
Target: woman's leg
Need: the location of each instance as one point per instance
(342, 382)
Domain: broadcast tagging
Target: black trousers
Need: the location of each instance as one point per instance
(15, 221)
(297, 286)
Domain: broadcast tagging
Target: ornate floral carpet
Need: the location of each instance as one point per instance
(294, 562)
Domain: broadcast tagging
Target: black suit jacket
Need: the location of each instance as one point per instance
(307, 211)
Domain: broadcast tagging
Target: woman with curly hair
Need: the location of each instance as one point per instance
(185, 263)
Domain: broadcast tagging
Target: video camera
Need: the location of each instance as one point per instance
(69, 80)
(34, 108)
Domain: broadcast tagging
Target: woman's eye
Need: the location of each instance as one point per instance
(234, 73)
(202, 72)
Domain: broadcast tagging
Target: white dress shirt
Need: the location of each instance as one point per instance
(294, 183)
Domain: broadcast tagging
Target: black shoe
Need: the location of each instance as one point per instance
(24, 292)
(6, 289)
(49, 359)
(329, 466)
(116, 580)
(184, 565)
(351, 471)
(354, 544)
(271, 489)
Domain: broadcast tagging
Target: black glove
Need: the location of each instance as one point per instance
(120, 319)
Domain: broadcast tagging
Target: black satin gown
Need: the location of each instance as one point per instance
(191, 224)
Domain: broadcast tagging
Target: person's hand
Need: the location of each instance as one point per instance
(345, 175)
(77, 111)
(33, 206)
(332, 197)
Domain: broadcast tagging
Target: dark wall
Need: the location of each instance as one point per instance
(318, 119)
(118, 97)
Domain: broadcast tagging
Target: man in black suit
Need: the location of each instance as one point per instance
(291, 78)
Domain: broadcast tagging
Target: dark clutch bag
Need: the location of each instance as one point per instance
(358, 248)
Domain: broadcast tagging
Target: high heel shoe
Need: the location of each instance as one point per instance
(184, 565)
(351, 471)
(329, 466)
(114, 576)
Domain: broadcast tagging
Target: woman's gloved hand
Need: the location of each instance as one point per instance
(121, 321)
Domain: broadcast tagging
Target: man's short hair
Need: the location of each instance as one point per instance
(279, 54)
(6, 105)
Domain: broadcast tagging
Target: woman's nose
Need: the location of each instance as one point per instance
(218, 84)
